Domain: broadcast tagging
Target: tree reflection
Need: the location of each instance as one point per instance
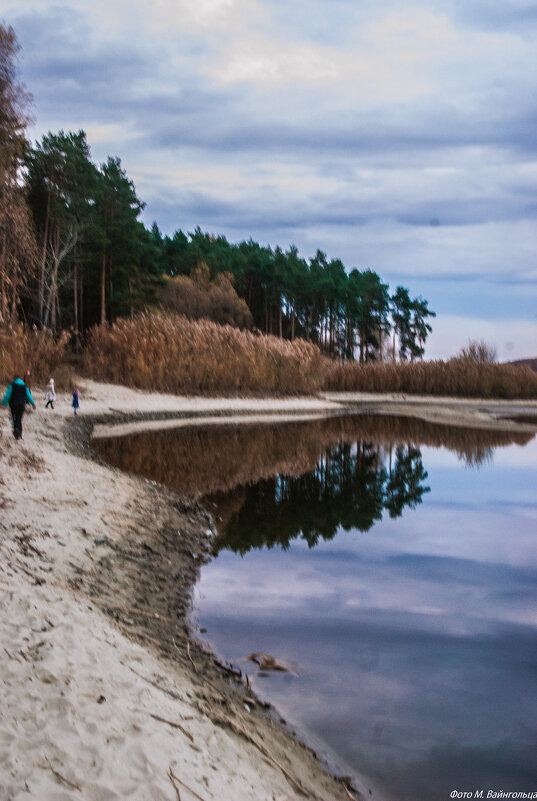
(267, 484)
(350, 488)
(403, 487)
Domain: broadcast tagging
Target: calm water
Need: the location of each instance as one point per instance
(393, 566)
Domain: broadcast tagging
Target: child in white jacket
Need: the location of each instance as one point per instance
(50, 394)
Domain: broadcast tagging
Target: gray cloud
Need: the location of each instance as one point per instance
(506, 16)
(414, 130)
(379, 170)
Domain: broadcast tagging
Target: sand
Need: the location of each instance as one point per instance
(104, 693)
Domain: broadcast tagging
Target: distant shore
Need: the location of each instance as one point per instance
(105, 693)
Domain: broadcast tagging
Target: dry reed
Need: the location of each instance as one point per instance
(169, 353)
(456, 377)
(23, 350)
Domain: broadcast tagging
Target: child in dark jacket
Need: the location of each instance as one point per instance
(17, 396)
(76, 404)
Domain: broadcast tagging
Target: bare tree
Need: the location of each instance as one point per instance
(478, 351)
(17, 241)
(61, 185)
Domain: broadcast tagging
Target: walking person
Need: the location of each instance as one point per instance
(17, 396)
(76, 403)
(50, 394)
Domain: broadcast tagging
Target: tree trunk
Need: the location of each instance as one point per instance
(81, 303)
(43, 264)
(75, 303)
(110, 292)
(14, 282)
(103, 289)
(3, 297)
(54, 290)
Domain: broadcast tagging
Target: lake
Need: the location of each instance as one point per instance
(390, 566)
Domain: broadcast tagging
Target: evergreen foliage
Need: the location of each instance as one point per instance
(349, 315)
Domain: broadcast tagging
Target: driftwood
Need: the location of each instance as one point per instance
(171, 693)
(266, 753)
(188, 652)
(175, 725)
(350, 795)
(58, 775)
(172, 777)
(267, 662)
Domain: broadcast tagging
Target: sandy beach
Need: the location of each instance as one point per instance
(104, 693)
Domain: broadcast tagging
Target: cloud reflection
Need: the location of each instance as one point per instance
(414, 644)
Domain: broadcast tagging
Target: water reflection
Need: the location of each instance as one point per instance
(415, 647)
(269, 484)
(350, 488)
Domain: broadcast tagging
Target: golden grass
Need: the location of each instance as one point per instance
(456, 377)
(169, 353)
(23, 350)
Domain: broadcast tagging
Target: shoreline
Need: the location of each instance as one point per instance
(106, 694)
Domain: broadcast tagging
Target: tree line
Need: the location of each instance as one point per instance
(74, 254)
(349, 314)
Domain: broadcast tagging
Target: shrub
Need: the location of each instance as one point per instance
(196, 297)
(480, 352)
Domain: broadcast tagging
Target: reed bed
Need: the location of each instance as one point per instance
(169, 353)
(24, 351)
(457, 377)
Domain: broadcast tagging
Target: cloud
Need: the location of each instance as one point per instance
(519, 16)
(402, 140)
(513, 338)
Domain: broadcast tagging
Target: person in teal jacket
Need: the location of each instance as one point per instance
(17, 396)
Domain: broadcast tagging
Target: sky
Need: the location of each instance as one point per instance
(399, 137)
